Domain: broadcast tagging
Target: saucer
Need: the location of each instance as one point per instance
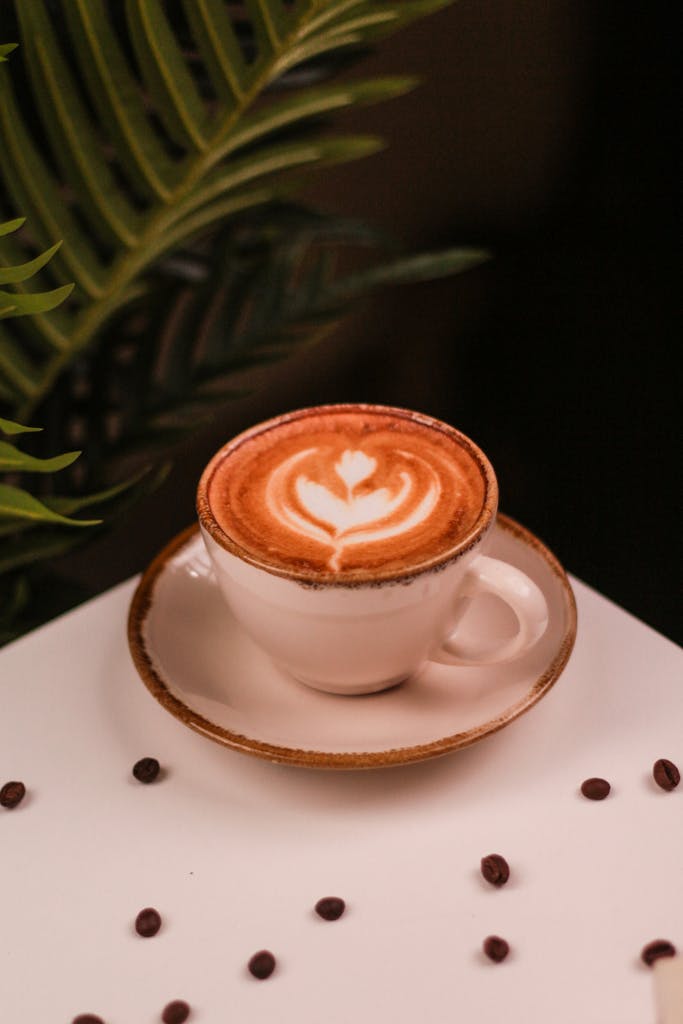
(199, 664)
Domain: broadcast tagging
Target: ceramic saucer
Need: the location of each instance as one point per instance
(201, 667)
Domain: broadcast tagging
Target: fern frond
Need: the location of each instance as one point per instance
(129, 142)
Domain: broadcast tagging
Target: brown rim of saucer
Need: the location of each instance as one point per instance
(142, 603)
(357, 578)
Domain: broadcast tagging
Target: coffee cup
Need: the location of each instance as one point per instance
(349, 539)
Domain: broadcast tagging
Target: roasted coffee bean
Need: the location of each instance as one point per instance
(262, 964)
(148, 922)
(87, 1018)
(595, 789)
(11, 794)
(654, 950)
(146, 769)
(495, 948)
(495, 869)
(330, 908)
(666, 774)
(176, 1012)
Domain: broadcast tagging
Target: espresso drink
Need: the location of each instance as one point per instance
(345, 492)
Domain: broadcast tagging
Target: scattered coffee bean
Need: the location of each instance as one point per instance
(262, 964)
(146, 769)
(495, 869)
(87, 1018)
(595, 789)
(666, 774)
(11, 794)
(176, 1012)
(330, 908)
(495, 948)
(148, 922)
(654, 950)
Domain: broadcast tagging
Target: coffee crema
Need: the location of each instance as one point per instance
(346, 492)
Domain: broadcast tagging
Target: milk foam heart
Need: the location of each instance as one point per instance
(347, 492)
(339, 521)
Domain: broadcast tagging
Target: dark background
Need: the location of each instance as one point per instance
(544, 131)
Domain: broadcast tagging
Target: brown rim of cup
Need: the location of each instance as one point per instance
(484, 521)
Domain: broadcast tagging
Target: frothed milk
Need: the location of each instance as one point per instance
(347, 493)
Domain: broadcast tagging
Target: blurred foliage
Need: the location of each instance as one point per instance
(163, 144)
(32, 530)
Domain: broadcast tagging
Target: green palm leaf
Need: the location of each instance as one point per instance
(9, 427)
(34, 529)
(18, 504)
(141, 147)
(28, 595)
(15, 371)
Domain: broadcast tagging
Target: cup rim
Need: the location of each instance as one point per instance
(353, 578)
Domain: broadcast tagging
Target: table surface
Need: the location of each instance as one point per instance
(234, 851)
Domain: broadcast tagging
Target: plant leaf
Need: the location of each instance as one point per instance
(423, 267)
(17, 504)
(37, 546)
(314, 103)
(32, 185)
(11, 275)
(166, 74)
(38, 302)
(14, 461)
(11, 225)
(277, 160)
(9, 427)
(149, 476)
(15, 594)
(6, 48)
(65, 119)
(108, 505)
(213, 30)
(140, 157)
(114, 91)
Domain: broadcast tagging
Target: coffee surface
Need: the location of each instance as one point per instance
(347, 492)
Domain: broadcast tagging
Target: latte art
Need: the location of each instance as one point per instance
(360, 516)
(344, 491)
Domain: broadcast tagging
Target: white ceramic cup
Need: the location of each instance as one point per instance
(360, 638)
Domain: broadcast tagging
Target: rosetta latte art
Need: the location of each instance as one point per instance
(312, 510)
(352, 494)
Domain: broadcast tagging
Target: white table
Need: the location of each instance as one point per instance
(234, 851)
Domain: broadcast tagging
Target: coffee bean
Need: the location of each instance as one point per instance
(666, 774)
(595, 789)
(11, 794)
(176, 1012)
(330, 908)
(654, 950)
(495, 948)
(87, 1018)
(146, 769)
(495, 869)
(262, 964)
(148, 922)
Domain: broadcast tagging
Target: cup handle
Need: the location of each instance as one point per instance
(491, 576)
